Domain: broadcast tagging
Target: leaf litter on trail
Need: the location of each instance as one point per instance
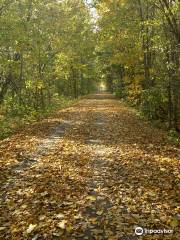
(101, 189)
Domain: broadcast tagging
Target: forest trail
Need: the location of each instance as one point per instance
(91, 171)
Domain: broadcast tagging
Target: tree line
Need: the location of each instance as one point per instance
(46, 51)
(139, 46)
(51, 49)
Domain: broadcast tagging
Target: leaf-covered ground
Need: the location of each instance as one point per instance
(91, 171)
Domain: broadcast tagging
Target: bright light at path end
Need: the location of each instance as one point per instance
(102, 87)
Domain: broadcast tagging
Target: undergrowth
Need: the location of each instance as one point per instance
(12, 120)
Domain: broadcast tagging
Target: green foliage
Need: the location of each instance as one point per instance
(55, 48)
(174, 136)
(17, 116)
(46, 51)
(154, 103)
(120, 93)
(138, 45)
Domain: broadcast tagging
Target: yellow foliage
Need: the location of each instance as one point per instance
(135, 88)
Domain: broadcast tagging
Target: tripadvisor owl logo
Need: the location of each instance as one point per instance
(139, 231)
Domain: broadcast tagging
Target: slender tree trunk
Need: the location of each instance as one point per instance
(145, 43)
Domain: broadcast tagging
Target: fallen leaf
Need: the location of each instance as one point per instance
(31, 228)
(91, 198)
(62, 224)
(174, 223)
(78, 216)
(99, 213)
(60, 215)
(2, 228)
(42, 217)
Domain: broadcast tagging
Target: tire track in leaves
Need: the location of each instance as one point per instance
(100, 211)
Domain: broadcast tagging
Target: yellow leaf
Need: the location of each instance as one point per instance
(62, 224)
(91, 198)
(93, 220)
(69, 228)
(60, 215)
(78, 216)
(2, 228)
(42, 217)
(31, 228)
(99, 213)
(174, 223)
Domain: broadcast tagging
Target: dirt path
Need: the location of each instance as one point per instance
(92, 171)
